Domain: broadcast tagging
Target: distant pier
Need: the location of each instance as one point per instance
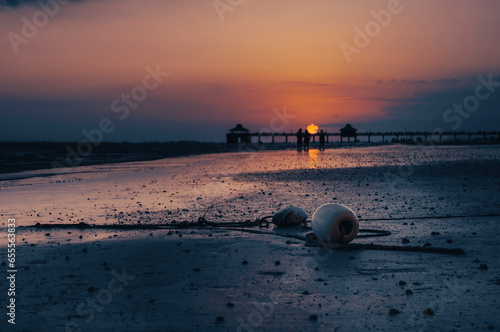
(396, 135)
(239, 134)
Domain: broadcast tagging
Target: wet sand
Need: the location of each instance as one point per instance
(209, 279)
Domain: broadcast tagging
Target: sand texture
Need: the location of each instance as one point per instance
(226, 280)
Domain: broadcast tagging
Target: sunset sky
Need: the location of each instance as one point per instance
(231, 64)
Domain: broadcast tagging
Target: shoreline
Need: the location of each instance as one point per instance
(18, 157)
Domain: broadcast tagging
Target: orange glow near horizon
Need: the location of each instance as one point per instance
(262, 56)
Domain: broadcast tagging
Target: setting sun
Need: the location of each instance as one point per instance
(312, 129)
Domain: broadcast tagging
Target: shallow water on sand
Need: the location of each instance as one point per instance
(246, 185)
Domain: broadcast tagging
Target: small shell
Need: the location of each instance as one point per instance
(291, 216)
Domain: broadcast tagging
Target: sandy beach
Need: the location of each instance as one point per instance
(151, 153)
(208, 279)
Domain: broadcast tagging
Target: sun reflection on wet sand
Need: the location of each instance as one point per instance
(313, 157)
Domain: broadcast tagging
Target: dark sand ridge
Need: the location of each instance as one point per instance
(25, 156)
(185, 283)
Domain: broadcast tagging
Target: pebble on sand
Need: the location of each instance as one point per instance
(394, 312)
(429, 312)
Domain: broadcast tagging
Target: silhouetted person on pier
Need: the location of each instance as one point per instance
(299, 140)
(322, 136)
(307, 139)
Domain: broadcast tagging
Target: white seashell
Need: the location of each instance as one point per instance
(335, 223)
(291, 216)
